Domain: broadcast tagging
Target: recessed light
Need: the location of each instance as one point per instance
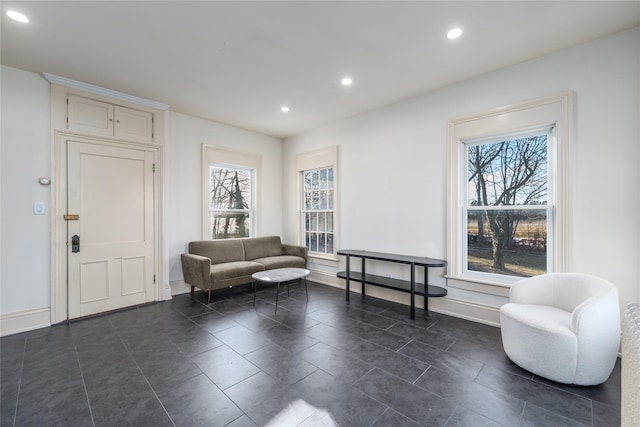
(454, 33)
(17, 16)
(346, 81)
(285, 109)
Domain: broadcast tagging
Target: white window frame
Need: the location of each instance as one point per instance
(219, 157)
(549, 207)
(554, 112)
(325, 158)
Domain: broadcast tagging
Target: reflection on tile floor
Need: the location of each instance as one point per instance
(323, 363)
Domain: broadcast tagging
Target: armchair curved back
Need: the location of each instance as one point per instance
(565, 291)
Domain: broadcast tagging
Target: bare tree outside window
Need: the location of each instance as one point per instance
(229, 202)
(507, 206)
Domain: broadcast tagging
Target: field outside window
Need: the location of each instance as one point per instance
(507, 213)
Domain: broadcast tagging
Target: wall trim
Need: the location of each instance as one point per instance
(325, 278)
(63, 81)
(455, 307)
(167, 292)
(468, 310)
(23, 321)
(177, 287)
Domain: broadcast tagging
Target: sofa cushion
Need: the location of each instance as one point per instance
(234, 269)
(219, 251)
(282, 261)
(262, 247)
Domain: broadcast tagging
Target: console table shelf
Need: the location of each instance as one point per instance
(397, 284)
(409, 286)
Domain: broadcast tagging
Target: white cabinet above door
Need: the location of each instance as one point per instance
(105, 119)
(133, 124)
(90, 116)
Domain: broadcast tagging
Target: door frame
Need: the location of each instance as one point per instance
(59, 252)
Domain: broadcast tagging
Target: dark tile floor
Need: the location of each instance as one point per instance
(321, 363)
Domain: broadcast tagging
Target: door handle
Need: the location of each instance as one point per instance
(75, 243)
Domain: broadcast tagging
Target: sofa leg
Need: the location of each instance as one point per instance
(193, 290)
(208, 297)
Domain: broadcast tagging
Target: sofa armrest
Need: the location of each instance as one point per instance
(296, 250)
(196, 270)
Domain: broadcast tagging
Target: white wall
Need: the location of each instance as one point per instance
(407, 140)
(183, 192)
(393, 162)
(26, 155)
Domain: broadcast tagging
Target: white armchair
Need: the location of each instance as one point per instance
(563, 326)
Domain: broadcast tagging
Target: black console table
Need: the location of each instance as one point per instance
(411, 286)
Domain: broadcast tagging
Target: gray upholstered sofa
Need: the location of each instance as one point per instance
(216, 264)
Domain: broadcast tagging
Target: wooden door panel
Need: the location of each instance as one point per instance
(111, 188)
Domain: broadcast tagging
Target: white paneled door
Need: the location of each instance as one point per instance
(110, 232)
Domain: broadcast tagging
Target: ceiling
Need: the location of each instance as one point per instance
(238, 62)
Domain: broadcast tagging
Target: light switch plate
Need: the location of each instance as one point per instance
(38, 208)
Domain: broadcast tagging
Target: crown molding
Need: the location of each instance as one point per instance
(63, 81)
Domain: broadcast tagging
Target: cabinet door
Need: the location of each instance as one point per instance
(90, 116)
(133, 124)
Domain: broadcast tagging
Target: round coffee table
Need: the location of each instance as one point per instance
(278, 276)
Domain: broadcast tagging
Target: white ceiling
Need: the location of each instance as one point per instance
(239, 62)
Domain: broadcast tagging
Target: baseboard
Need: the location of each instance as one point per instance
(325, 278)
(473, 311)
(463, 309)
(168, 291)
(468, 310)
(23, 321)
(179, 287)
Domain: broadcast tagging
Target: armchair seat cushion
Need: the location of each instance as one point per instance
(540, 339)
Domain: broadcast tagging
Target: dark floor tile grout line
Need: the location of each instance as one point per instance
(455, 340)
(379, 416)
(84, 384)
(126, 346)
(421, 375)
(24, 353)
(407, 343)
(452, 414)
(236, 383)
(559, 387)
(376, 400)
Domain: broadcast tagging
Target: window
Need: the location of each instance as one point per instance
(317, 210)
(318, 207)
(230, 202)
(509, 201)
(507, 211)
(230, 182)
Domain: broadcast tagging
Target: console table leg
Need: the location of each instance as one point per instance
(348, 273)
(413, 291)
(363, 272)
(426, 289)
